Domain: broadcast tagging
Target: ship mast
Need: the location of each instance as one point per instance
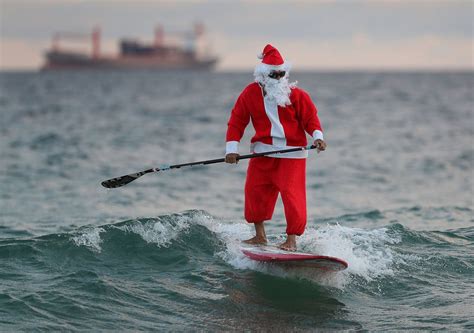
(96, 43)
(159, 36)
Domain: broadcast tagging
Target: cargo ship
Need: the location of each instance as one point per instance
(161, 54)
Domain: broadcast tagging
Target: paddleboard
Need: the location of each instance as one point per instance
(269, 253)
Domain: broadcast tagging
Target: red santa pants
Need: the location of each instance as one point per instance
(268, 176)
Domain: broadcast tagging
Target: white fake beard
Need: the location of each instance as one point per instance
(278, 90)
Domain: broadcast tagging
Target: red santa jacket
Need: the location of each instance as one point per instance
(276, 127)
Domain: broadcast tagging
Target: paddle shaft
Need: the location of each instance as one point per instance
(241, 157)
(120, 181)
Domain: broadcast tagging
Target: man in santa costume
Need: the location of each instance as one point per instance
(281, 114)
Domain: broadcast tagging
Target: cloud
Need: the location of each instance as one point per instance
(358, 52)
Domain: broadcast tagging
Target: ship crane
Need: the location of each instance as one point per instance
(192, 39)
(94, 37)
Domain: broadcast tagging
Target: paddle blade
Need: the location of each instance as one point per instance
(121, 181)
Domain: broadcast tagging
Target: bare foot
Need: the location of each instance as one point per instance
(260, 237)
(287, 247)
(256, 241)
(289, 244)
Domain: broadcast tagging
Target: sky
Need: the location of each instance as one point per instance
(314, 35)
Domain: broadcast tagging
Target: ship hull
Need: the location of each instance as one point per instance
(62, 60)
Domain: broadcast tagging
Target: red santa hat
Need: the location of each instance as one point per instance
(271, 61)
(271, 56)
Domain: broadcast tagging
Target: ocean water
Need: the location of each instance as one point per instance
(392, 195)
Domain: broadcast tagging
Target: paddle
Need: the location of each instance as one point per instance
(124, 180)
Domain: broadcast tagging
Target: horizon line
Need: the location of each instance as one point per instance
(250, 69)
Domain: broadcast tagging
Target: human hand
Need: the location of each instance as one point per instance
(232, 158)
(320, 145)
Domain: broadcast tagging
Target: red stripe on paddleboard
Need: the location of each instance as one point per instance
(282, 257)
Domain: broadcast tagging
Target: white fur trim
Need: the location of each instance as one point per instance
(277, 132)
(232, 147)
(264, 69)
(318, 135)
(259, 147)
(260, 56)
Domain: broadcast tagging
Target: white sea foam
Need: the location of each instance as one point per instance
(231, 233)
(90, 238)
(366, 251)
(161, 233)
